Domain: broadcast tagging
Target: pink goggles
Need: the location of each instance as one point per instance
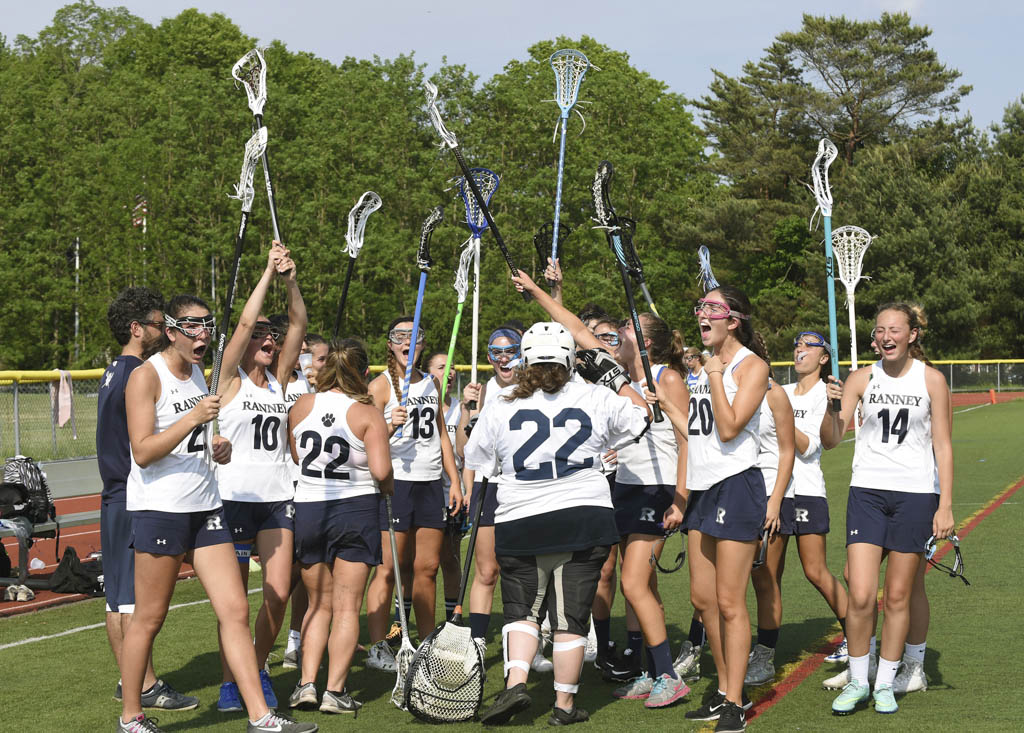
(716, 310)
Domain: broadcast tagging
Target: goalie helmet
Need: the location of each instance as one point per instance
(548, 342)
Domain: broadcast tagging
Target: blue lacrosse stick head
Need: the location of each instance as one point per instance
(487, 182)
(570, 66)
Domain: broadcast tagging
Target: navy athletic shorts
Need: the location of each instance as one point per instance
(639, 509)
(804, 515)
(247, 518)
(345, 528)
(732, 509)
(416, 504)
(490, 502)
(175, 533)
(893, 520)
(118, 558)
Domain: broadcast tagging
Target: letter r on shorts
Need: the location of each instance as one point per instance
(801, 515)
(720, 516)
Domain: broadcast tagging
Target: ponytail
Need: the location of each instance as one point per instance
(346, 368)
(666, 344)
(758, 346)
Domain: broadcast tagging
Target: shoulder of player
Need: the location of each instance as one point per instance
(671, 378)
(751, 365)
(777, 398)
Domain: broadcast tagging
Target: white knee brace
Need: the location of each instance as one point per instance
(522, 628)
(565, 646)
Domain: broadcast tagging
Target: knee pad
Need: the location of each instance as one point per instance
(243, 552)
(523, 629)
(566, 646)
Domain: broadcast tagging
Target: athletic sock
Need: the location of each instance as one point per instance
(915, 651)
(697, 636)
(660, 657)
(859, 669)
(767, 637)
(294, 641)
(872, 646)
(603, 630)
(842, 624)
(408, 610)
(649, 659)
(634, 641)
(449, 606)
(886, 672)
(264, 720)
(478, 625)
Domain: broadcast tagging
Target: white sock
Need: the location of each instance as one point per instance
(886, 672)
(859, 669)
(915, 652)
(264, 720)
(294, 641)
(872, 646)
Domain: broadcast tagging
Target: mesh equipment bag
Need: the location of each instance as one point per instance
(445, 683)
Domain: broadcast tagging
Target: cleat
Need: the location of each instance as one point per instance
(561, 717)
(732, 719)
(590, 653)
(760, 665)
(852, 697)
(842, 679)
(268, 690)
(163, 696)
(541, 663)
(339, 702)
(687, 664)
(280, 723)
(666, 691)
(625, 669)
(139, 724)
(710, 710)
(910, 678)
(884, 700)
(840, 655)
(638, 688)
(381, 657)
(117, 691)
(229, 700)
(506, 704)
(302, 695)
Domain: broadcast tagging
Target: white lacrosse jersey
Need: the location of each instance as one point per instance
(547, 447)
(256, 423)
(808, 412)
(708, 459)
(894, 448)
(183, 480)
(768, 444)
(295, 390)
(332, 461)
(692, 379)
(452, 414)
(654, 458)
(416, 456)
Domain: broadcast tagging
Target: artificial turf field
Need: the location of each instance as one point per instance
(974, 645)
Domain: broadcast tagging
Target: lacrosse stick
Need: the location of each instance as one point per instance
(449, 139)
(680, 558)
(607, 220)
(570, 66)
(633, 264)
(849, 245)
(543, 237)
(706, 277)
(823, 195)
(423, 262)
(445, 683)
(485, 182)
(403, 659)
(461, 287)
(368, 203)
(251, 72)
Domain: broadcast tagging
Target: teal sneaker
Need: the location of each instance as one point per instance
(885, 702)
(852, 696)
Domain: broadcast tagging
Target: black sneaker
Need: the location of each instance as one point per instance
(732, 719)
(747, 703)
(606, 659)
(508, 703)
(710, 709)
(161, 695)
(561, 717)
(624, 669)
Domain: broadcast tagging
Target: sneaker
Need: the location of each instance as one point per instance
(842, 679)
(268, 690)
(852, 696)
(291, 659)
(229, 700)
(11, 594)
(25, 593)
(910, 677)
(760, 665)
(590, 653)
(884, 700)
(117, 692)
(163, 696)
(139, 724)
(666, 691)
(638, 688)
(394, 637)
(541, 663)
(687, 664)
(732, 719)
(339, 702)
(841, 655)
(710, 710)
(381, 657)
(281, 723)
(506, 704)
(561, 717)
(626, 668)
(303, 694)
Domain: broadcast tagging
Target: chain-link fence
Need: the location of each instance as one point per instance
(962, 376)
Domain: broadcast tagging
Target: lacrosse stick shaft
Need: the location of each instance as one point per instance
(471, 405)
(398, 571)
(451, 346)
(228, 304)
(638, 332)
(468, 563)
(648, 298)
(831, 286)
(853, 350)
(344, 296)
(270, 186)
(558, 192)
(412, 348)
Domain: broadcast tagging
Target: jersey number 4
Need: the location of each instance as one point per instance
(319, 445)
(897, 427)
(560, 466)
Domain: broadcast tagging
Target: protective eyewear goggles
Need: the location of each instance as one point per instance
(403, 335)
(810, 338)
(716, 310)
(262, 329)
(957, 571)
(611, 338)
(193, 326)
(496, 352)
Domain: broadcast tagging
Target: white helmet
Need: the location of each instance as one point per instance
(548, 342)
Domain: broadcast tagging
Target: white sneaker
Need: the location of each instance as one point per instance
(910, 678)
(842, 679)
(541, 663)
(841, 655)
(381, 657)
(590, 653)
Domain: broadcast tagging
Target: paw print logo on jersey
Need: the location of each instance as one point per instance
(327, 420)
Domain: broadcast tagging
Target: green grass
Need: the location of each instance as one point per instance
(39, 438)
(973, 641)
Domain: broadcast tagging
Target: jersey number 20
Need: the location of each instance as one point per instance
(700, 410)
(560, 466)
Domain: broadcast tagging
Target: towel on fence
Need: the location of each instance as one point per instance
(62, 402)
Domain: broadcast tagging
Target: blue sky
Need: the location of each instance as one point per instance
(677, 41)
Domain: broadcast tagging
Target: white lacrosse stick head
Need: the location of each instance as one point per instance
(706, 277)
(849, 243)
(570, 66)
(819, 177)
(462, 272)
(435, 116)
(251, 72)
(254, 148)
(368, 203)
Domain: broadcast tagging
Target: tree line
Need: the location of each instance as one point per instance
(102, 112)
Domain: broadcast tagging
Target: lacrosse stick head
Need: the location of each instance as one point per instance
(433, 219)
(627, 228)
(601, 194)
(368, 203)
(462, 273)
(446, 680)
(542, 239)
(254, 148)
(819, 176)
(706, 277)
(487, 183)
(251, 72)
(849, 243)
(570, 66)
(447, 136)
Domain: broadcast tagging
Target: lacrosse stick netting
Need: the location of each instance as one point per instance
(487, 183)
(461, 290)
(368, 203)
(849, 243)
(827, 153)
(823, 196)
(570, 66)
(250, 72)
(254, 148)
(446, 679)
(706, 277)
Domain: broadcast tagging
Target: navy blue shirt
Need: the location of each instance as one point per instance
(112, 446)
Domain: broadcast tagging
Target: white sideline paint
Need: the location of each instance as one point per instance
(90, 627)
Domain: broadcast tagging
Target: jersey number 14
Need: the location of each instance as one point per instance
(898, 426)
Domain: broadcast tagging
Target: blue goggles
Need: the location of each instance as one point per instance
(496, 352)
(810, 338)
